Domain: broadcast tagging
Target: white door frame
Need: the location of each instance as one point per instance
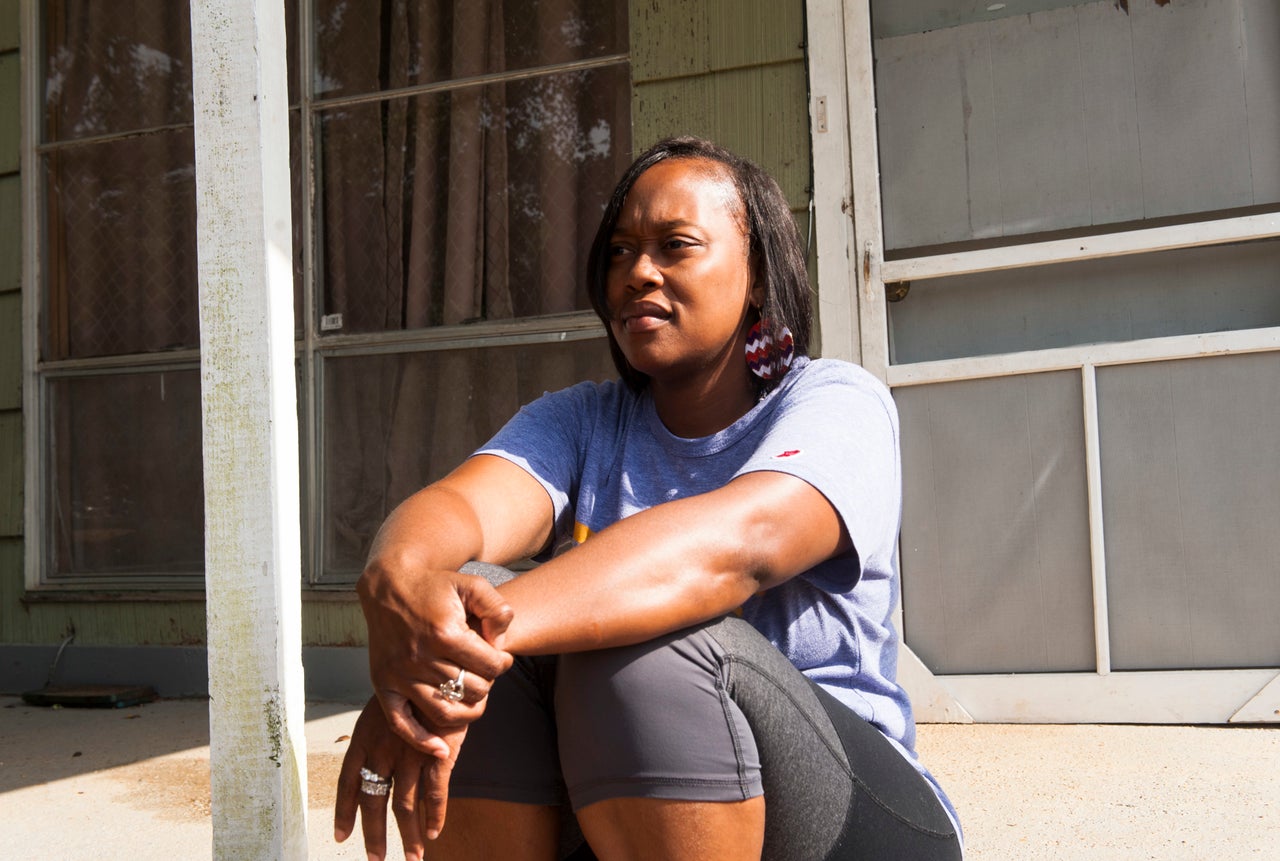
(852, 273)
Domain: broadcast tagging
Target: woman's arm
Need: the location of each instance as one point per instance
(674, 565)
(420, 611)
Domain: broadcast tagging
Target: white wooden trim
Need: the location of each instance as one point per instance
(931, 702)
(258, 752)
(1068, 358)
(832, 185)
(868, 231)
(1264, 707)
(1217, 232)
(1097, 542)
(1174, 697)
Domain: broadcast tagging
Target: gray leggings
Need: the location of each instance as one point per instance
(711, 713)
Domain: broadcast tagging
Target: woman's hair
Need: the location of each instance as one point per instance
(775, 245)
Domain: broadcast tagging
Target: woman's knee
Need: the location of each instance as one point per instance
(653, 720)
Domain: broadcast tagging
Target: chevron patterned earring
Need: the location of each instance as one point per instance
(768, 356)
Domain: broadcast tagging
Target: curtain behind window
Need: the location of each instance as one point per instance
(468, 204)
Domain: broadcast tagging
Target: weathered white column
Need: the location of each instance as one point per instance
(252, 541)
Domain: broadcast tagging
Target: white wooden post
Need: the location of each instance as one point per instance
(252, 531)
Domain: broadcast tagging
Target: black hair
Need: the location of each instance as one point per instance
(774, 244)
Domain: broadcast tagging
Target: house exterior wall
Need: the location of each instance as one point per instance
(732, 71)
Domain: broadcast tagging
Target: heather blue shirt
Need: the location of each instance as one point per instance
(602, 453)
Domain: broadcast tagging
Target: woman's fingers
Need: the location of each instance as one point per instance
(348, 799)
(433, 791)
(373, 817)
(404, 803)
(417, 711)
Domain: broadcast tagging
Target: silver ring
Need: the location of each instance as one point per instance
(454, 689)
(372, 783)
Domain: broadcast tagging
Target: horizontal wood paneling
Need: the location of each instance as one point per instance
(10, 112)
(671, 38)
(10, 473)
(10, 230)
(94, 622)
(761, 113)
(9, 18)
(10, 351)
(333, 623)
(733, 72)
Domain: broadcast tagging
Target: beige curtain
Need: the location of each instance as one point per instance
(440, 210)
(119, 274)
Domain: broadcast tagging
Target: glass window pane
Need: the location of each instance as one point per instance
(369, 46)
(1184, 292)
(475, 204)
(121, 247)
(1000, 123)
(1191, 502)
(126, 493)
(996, 575)
(114, 67)
(394, 423)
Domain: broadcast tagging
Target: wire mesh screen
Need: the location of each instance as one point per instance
(475, 204)
(393, 423)
(114, 67)
(121, 225)
(369, 46)
(127, 493)
(996, 575)
(1191, 504)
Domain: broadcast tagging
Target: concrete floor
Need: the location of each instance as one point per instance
(134, 784)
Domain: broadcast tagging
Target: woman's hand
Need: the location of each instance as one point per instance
(416, 778)
(425, 628)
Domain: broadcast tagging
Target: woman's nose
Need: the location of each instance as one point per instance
(644, 272)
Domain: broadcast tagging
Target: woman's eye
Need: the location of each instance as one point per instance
(617, 251)
(676, 243)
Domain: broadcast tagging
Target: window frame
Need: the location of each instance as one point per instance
(312, 347)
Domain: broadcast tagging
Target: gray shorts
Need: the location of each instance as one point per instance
(710, 713)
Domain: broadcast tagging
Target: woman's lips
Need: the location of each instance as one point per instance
(644, 317)
(643, 323)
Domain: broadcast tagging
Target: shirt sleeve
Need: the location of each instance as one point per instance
(837, 430)
(547, 438)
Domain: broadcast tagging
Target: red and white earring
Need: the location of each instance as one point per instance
(769, 350)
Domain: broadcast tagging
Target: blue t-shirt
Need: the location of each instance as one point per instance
(602, 453)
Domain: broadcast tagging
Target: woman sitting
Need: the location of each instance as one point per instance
(704, 667)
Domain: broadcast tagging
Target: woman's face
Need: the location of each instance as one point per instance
(680, 279)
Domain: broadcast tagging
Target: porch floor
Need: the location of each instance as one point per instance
(133, 783)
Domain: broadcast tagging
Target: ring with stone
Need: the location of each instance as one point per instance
(372, 783)
(454, 689)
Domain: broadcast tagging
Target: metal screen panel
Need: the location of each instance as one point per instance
(394, 423)
(1188, 291)
(1191, 505)
(127, 496)
(995, 538)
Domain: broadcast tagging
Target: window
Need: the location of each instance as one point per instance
(450, 162)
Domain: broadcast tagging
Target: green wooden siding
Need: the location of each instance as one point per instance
(10, 482)
(9, 25)
(10, 69)
(729, 70)
(10, 234)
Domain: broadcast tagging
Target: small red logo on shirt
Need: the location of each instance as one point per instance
(792, 453)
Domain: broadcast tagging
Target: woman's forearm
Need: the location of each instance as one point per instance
(672, 566)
